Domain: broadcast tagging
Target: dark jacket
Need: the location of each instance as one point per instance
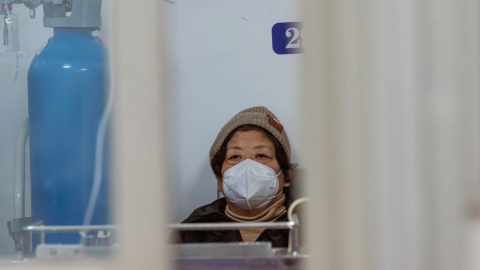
(215, 212)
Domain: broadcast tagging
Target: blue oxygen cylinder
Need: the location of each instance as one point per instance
(67, 96)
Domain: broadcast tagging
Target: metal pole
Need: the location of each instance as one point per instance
(19, 187)
(231, 226)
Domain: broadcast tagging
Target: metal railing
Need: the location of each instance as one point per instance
(293, 243)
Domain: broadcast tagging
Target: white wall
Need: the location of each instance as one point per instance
(223, 63)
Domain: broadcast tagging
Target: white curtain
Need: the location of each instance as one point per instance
(391, 122)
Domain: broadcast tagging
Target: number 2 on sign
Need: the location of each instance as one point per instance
(287, 38)
(295, 41)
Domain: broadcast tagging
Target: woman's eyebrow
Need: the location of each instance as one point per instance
(260, 146)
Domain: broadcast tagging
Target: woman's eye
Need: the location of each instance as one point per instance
(261, 156)
(234, 157)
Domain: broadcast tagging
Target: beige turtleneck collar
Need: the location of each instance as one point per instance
(268, 215)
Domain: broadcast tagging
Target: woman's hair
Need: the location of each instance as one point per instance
(280, 153)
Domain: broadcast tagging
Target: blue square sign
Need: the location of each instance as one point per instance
(287, 38)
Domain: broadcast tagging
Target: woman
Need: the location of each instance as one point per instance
(251, 161)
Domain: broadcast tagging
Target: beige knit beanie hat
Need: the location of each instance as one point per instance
(258, 116)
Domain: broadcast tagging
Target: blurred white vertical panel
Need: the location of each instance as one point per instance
(452, 124)
(141, 134)
(397, 190)
(391, 118)
(335, 128)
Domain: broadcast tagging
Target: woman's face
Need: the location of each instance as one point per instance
(254, 145)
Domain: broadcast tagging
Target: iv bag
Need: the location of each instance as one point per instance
(9, 43)
(9, 34)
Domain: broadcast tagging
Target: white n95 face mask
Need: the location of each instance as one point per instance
(250, 185)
